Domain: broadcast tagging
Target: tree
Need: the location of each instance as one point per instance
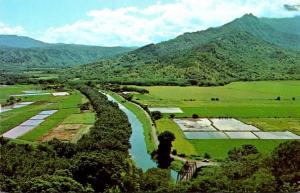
(238, 153)
(172, 116)
(206, 155)
(195, 116)
(285, 162)
(164, 149)
(156, 115)
(54, 184)
(154, 179)
(85, 106)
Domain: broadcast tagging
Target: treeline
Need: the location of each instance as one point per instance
(118, 88)
(7, 78)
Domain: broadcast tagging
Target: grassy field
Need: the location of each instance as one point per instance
(68, 113)
(239, 99)
(251, 102)
(140, 114)
(6, 91)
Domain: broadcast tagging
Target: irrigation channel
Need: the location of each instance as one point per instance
(138, 149)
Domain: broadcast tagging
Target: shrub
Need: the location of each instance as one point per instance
(172, 116)
(156, 115)
(195, 116)
(206, 155)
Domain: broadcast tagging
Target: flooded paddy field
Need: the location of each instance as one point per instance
(38, 114)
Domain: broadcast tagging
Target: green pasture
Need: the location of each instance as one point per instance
(239, 99)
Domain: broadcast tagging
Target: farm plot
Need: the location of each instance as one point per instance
(15, 106)
(226, 129)
(205, 135)
(27, 120)
(241, 135)
(67, 132)
(276, 135)
(230, 124)
(166, 109)
(192, 125)
(27, 125)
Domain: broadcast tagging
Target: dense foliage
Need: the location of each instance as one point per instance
(98, 162)
(248, 48)
(164, 149)
(22, 53)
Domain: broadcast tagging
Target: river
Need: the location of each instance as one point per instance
(138, 150)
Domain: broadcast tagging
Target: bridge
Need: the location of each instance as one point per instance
(190, 167)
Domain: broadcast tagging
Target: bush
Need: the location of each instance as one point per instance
(278, 98)
(172, 116)
(195, 116)
(174, 152)
(206, 156)
(85, 106)
(156, 115)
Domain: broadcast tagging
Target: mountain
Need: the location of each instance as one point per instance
(248, 48)
(14, 41)
(18, 53)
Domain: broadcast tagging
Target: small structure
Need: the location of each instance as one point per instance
(60, 94)
(187, 171)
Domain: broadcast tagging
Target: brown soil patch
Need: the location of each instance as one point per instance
(65, 132)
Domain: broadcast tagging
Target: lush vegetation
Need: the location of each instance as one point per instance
(98, 162)
(248, 48)
(22, 53)
(246, 170)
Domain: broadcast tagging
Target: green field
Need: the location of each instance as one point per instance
(251, 102)
(239, 99)
(67, 106)
(5, 91)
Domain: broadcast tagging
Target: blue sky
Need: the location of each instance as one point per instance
(125, 22)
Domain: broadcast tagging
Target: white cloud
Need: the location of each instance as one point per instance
(130, 26)
(5, 29)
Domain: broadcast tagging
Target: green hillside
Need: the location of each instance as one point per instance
(245, 49)
(21, 53)
(15, 41)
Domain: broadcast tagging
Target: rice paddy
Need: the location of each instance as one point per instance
(37, 115)
(262, 113)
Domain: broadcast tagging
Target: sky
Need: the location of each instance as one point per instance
(127, 22)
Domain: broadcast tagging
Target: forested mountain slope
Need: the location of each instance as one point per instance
(19, 53)
(247, 48)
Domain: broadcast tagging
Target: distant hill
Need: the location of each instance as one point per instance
(19, 53)
(14, 41)
(248, 48)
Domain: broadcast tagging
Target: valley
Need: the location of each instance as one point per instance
(216, 110)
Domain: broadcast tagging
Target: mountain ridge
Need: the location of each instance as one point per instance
(244, 49)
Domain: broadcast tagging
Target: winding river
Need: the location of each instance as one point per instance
(138, 149)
